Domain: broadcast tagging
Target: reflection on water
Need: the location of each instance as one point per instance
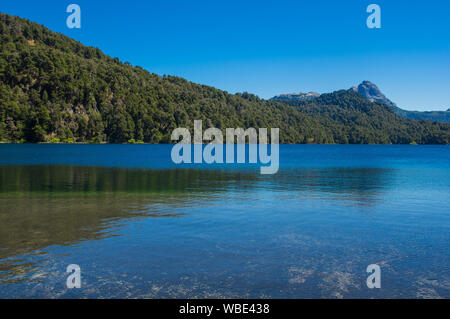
(186, 233)
(54, 180)
(43, 206)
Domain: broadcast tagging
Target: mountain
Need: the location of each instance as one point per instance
(354, 119)
(296, 96)
(54, 89)
(371, 92)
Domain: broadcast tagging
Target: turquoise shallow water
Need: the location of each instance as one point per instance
(140, 226)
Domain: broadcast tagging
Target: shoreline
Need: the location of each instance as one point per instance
(105, 143)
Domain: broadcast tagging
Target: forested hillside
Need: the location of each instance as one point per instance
(54, 89)
(355, 120)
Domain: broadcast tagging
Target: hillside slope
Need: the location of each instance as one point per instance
(53, 88)
(355, 120)
(371, 92)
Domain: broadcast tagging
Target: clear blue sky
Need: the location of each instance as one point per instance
(271, 47)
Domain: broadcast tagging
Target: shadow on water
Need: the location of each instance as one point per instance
(43, 206)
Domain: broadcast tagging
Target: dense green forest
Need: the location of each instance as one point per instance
(54, 89)
(355, 120)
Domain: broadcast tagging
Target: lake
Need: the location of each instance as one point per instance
(140, 226)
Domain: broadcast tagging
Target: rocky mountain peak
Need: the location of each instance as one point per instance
(371, 92)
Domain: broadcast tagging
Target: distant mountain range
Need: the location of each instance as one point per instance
(372, 93)
(54, 89)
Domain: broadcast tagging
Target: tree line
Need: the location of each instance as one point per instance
(54, 89)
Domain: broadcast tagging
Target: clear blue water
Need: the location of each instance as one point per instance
(140, 226)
